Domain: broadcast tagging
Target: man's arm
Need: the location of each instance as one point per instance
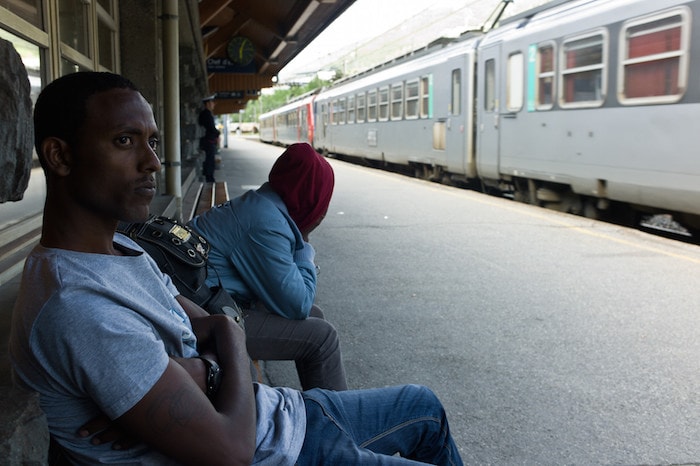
(177, 418)
(283, 280)
(192, 310)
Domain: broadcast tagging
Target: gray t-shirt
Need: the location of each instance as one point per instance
(93, 333)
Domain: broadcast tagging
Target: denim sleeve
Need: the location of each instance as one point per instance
(280, 275)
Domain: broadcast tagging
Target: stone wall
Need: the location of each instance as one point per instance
(16, 134)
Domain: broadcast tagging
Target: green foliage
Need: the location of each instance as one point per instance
(280, 96)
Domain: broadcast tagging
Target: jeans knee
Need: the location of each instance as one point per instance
(425, 396)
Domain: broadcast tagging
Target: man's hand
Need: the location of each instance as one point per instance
(107, 431)
(207, 328)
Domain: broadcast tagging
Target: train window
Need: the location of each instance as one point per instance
(426, 96)
(545, 76)
(654, 61)
(515, 82)
(456, 92)
(324, 118)
(383, 103)
(361, 109)
(372, 105)
(582, 71)
(397, 101)
(412, 99)
(340, 113)
(490, 85)
(351, 109)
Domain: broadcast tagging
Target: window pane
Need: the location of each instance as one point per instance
(425, 97)
(653, 58)
(584, 52)
(106, 45)
(28, 10)
(351, 109)
(372, 106)
(582, 74)
(656, 78)
(106, 4)
(397, 101)
(545, 80)
(654, 38)
(490, 85)
(360, 108)
(515, 92)
(73, 25)
(68, 67)
(412, 95)
(455, 106)
(582, 87)
(384, 104)
(341, 111)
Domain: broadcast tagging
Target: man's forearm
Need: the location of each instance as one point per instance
(220, 337)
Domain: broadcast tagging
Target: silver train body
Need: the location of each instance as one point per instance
(575, 105)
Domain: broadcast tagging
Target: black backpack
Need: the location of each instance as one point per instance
(182, 254)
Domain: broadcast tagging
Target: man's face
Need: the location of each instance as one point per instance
(114, 158)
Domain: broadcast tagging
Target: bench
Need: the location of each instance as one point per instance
(209, 195)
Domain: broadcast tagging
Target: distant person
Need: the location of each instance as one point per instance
(209, 143)
(260, 252)
(116, 353)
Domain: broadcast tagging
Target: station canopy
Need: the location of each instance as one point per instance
(247, 42)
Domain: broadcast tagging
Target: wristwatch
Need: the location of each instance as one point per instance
(213, 376)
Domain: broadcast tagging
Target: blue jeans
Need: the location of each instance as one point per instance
(367, 427)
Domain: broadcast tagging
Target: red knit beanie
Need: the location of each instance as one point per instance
(304, 180)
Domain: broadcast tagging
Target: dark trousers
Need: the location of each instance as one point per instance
(311, 343)
(209, 164)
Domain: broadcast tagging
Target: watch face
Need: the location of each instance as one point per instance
(241, 50)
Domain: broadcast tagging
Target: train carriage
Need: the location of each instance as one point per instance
(415, 111)
(293, 122)
(587, 102)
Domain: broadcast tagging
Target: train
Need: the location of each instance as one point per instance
(585, 106)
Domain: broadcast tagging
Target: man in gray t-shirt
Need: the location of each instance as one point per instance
(72, 323)
(100, 333)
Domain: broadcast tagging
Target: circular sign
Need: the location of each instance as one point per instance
(241, 50)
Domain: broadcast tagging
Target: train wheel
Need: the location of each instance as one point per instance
(525, 190)
(590, 210)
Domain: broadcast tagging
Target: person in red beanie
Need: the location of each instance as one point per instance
(260, 252)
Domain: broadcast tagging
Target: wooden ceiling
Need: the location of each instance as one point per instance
(263, 36)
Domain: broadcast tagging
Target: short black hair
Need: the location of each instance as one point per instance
(60, 108)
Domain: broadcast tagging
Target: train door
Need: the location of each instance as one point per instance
(302, 127)
(455, 125)
(321, 112)
(488, 112)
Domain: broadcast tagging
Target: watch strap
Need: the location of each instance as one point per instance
(213, 376)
